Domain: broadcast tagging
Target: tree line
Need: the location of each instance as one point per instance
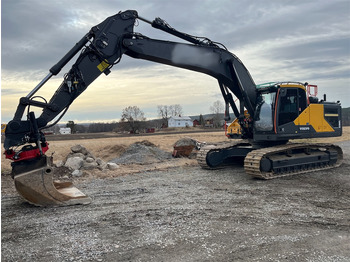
(133, 120)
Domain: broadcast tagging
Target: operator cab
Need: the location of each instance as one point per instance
(279, 105)
(285, 111)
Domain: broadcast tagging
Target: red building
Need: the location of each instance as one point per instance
(196, 122)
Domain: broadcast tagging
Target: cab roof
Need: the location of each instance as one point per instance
(281, 84)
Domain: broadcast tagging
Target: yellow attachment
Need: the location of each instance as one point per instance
(235, 128)
(314, 115)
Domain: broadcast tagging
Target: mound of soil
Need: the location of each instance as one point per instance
(146, 143)
(112, 150)
(143, 152)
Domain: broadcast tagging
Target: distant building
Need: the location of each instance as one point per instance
(65, 131)
(196, 122)
(180, 121)
(209, 122)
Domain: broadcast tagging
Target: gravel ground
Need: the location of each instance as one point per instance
(188, 214)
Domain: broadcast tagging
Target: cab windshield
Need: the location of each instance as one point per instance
(269, 98)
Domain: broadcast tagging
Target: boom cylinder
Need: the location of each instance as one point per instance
(36, 89)
(60, 64)
(78, 46)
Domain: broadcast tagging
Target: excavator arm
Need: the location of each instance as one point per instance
(100, 49)
(104, 46)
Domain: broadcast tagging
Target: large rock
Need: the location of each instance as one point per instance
(89, 160)
(59, 163)
(112, 166)
(81, 159)
(77, 148)
(101, 164)
(77, 173)
(81, 155)
(89, 165)
(74, 163)
(184, 147)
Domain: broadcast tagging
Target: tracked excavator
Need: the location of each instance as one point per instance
(268, 115)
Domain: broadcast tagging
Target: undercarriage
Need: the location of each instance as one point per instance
(271, 161)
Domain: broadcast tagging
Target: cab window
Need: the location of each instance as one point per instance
(291, 103)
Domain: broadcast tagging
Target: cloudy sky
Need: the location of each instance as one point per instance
(277, 40)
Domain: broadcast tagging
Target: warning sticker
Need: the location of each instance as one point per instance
(102, 66)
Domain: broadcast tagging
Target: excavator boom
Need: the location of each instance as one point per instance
(100, 49)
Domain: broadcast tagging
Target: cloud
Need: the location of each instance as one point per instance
(276, 40)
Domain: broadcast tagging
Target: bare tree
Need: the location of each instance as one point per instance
(133, 117)
(175, 110)
(72, 126)
(216, 109)
(201, 120)
(165, 112)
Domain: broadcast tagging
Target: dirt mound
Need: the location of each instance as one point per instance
(116, 151)
(146, 143)
(143, 152)
(112, 151)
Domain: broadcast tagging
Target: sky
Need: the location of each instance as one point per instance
(277, 40)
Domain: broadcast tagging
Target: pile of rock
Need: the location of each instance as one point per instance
(80, 159)
(142, 153)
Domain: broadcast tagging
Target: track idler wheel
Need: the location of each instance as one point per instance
(34, 182)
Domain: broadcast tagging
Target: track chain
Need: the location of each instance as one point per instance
(252, 160)
(202, 154)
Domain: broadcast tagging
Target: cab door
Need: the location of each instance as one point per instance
(291, 103)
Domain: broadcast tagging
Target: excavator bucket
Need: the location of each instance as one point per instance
(34, 182)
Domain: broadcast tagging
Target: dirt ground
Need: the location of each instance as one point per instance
(175, 211)
(108, 147)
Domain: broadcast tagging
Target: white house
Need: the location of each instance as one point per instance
(180, 121)
(65, 130)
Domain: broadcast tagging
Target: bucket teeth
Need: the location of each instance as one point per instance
(36, 185)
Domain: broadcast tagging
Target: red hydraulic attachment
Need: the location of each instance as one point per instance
(27, 152)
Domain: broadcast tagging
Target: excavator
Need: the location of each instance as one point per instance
(268, 115)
